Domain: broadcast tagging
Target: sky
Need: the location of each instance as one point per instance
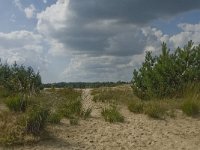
(93, 40)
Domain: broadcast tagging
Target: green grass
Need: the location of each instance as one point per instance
(35, 119)
(191, 107)
(54, 118)
(116, 95)
(16, 103)
(155, 110)
(136, 106)
(112, 115)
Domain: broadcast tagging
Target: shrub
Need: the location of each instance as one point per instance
(136, 107)
(112, 115)
(166, 75)
(54, 118)
(35, 120)
(155, 110)
(16, 103)
(17, 78)
(190, 107)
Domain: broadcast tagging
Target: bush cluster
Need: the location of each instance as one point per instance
(166, 75)
(17, 78)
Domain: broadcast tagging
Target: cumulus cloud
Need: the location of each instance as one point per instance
(24, 47)
(30, 11)
(105, 27)
(107, 39)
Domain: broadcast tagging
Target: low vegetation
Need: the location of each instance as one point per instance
(118, 95)
(112, 115)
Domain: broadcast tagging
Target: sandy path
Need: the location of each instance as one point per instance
(137, 133)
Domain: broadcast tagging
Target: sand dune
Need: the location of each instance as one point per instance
(138, 132)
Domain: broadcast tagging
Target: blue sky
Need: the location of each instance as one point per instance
(92, 40)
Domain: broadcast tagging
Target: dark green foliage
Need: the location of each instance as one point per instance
(191, 107)
(112, 115)
(16, 103)
(167, 74)
(36, 119)
(19, 79)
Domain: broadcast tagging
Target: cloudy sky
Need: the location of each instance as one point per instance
(92, 40)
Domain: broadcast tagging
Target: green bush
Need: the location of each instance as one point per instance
(191, 107)
(16, 103)
(112, 115)
(136, 107)
(54, 118)
(155, 110)
(166, 75)
(35, 119)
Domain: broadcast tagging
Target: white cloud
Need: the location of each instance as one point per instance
(189, 32)
(30, 11)
(24, 47)
(101, 47)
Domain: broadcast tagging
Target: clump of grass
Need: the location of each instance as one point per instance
(54, 118)
(136, 106)
(112, 115)
(74, 121)
(72, 108)
(13, 130)
(155, 110)
(86, 113)
(190, 107)
(16, 103)
(35, 119)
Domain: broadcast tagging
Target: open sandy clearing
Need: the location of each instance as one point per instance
(138, 132)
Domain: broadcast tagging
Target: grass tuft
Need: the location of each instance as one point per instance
(35, 119)
(190, 107)
(136, 106)
(112, 115)
(155, 110)
(86, 113)
(16, 103)
(54, 118)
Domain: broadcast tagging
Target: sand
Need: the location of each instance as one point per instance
(138, 132)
